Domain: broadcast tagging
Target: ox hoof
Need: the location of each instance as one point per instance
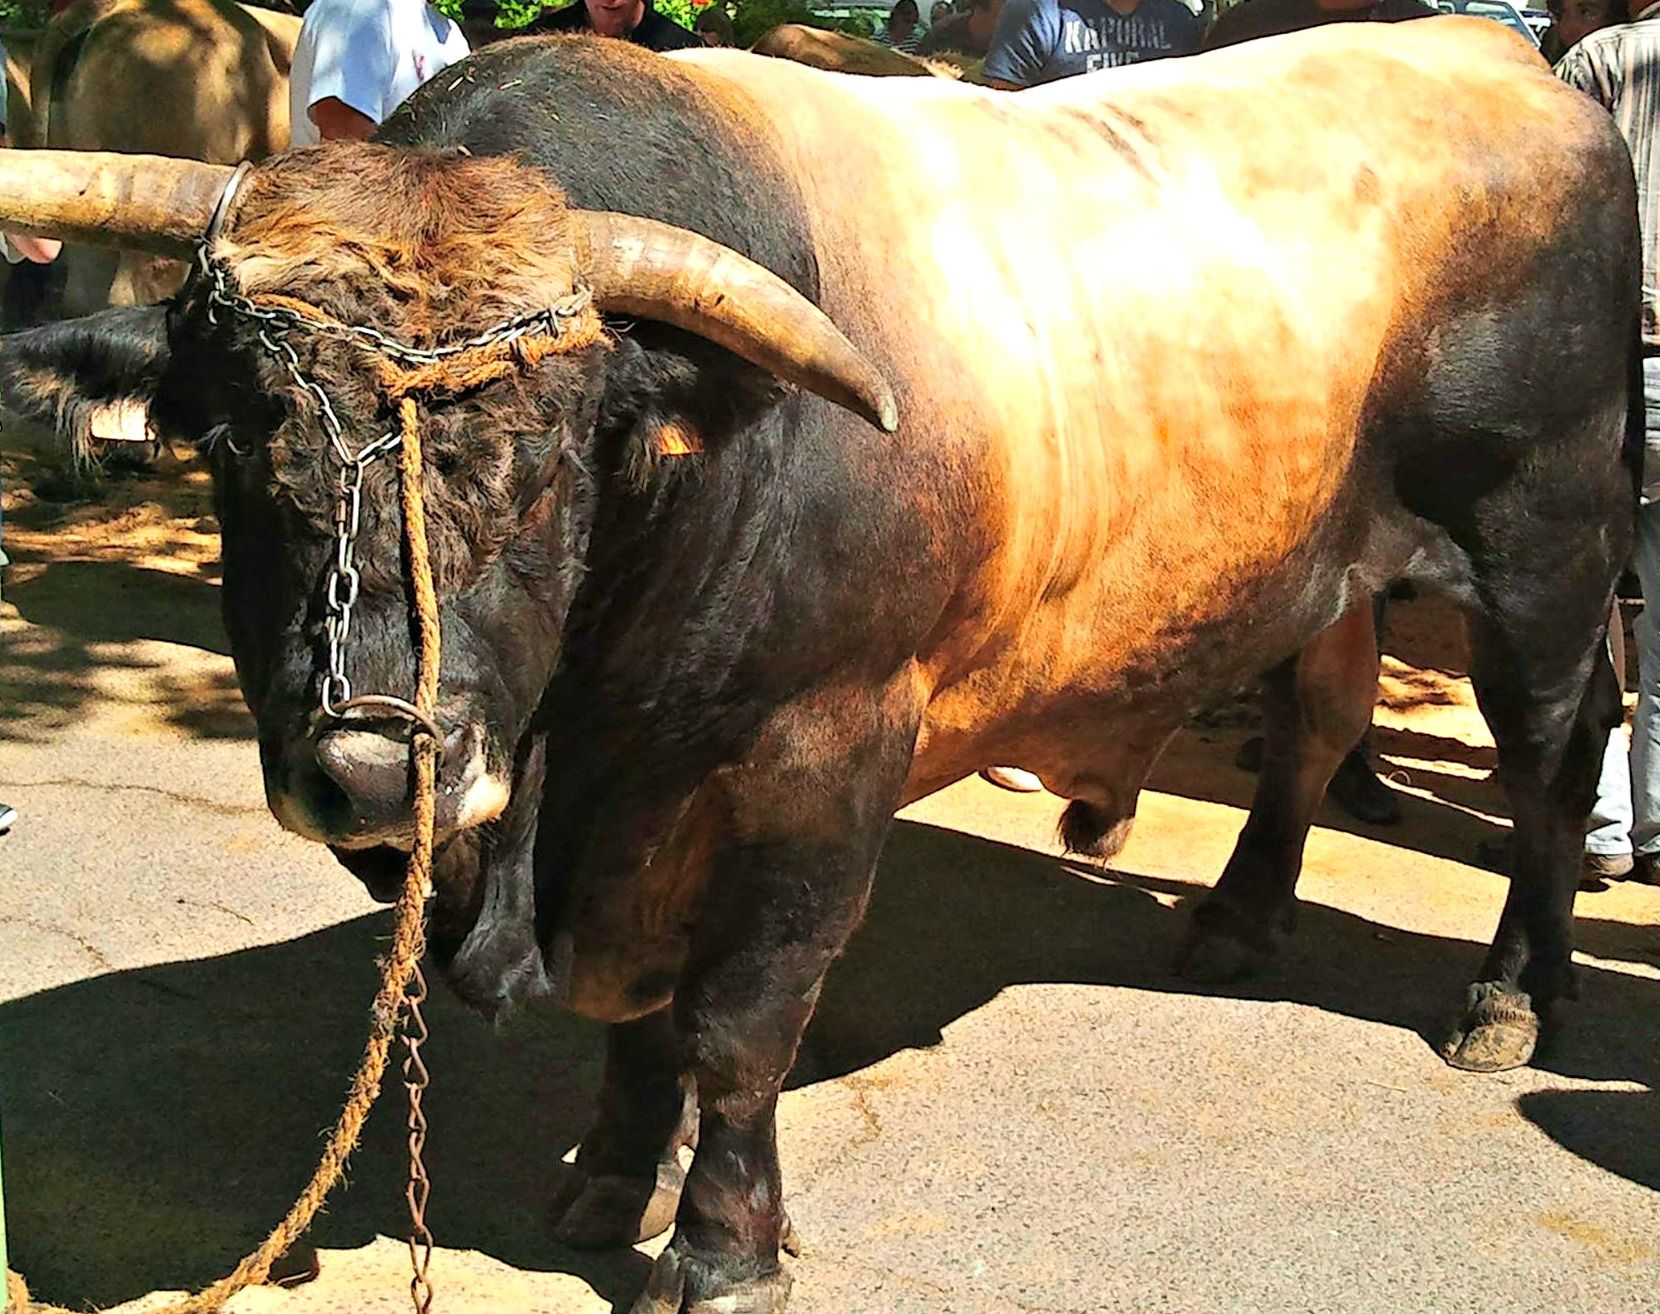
(609, 1212)
(1499, 1031)
(1214, 952)
(681, 1283)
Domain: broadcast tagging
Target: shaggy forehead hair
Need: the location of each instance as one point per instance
(434, 241)
(424, 246)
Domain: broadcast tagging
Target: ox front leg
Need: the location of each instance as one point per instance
(782, 902)
(1315, 709)
(627, 1179)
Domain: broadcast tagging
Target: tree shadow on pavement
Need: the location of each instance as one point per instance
(159, 1119)
(82, 615)
(99, 564)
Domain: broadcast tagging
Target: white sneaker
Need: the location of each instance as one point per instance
(8, 815)
(1015, 779)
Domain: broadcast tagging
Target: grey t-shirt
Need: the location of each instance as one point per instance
(1042, 40)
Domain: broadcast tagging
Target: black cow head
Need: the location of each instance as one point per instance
(425, 249)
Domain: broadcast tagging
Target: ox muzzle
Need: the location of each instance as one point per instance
(349, 784)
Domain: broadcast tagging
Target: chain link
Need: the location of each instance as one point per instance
(342, 583)
(419, 1187)
(550, 319)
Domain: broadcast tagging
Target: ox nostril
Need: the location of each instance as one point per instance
(351, 756)
(353, 784)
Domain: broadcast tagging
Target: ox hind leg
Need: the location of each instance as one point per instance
(1550, 698)
(1316, 707)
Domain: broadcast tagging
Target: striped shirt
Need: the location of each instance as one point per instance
(1619, 67)
(906, 45)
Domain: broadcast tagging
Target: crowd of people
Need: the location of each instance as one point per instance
(357, 60)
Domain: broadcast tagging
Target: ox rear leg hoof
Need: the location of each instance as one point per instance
(1093, 832)
(681, 1283)
(1499, 1030)
(1223, 945)
(789, 1240)
(609, 1211)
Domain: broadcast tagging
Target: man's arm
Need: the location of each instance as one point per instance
(1577, 70)
(338, 121)
(1022, 44)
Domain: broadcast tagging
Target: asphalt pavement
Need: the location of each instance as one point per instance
(1007, 1103)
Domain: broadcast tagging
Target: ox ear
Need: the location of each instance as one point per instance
(91, 379)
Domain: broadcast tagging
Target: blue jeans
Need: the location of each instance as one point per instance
(1626, 816)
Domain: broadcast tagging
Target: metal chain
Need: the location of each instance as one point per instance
(343, 581)
(341, 586)
(419, 1187)
(550, 319)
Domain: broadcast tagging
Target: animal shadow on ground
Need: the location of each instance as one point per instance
(159, 1119)
(80, 614)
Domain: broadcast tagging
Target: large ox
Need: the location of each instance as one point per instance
(196, 79)
(1189, 360)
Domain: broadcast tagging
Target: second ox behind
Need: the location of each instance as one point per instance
(1178, 387)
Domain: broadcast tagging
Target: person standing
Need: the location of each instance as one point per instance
(629, 20)
(357, 60)
(1574, 20)
(1619, 68)
(1038, 41)
(902, 31)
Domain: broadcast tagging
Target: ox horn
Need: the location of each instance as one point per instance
(141, 202)
(657, 271)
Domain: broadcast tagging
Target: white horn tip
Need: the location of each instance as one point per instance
(887, 412)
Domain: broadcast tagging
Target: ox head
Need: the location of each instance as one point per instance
(426, 249)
